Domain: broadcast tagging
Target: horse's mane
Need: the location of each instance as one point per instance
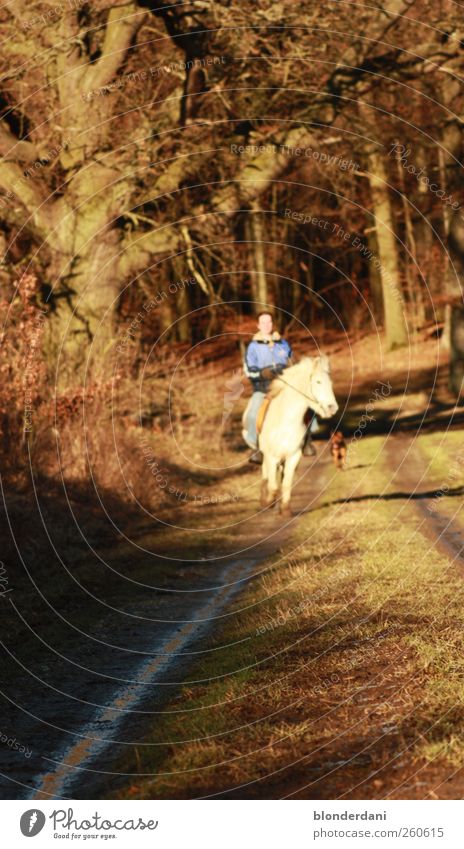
(298, 374)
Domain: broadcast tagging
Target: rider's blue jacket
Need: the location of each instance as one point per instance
(263, 353)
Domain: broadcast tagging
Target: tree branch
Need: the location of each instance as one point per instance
(12, 149)
(19, 189)
(121, 28)
(139, 248)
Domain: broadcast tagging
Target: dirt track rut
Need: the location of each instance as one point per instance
(75, 704)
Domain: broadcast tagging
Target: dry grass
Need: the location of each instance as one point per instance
(343, 676)
(93, 477)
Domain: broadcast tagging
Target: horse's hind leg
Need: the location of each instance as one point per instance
(289, 471)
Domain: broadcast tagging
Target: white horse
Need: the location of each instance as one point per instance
(307, 384)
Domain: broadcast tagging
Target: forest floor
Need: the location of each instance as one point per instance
(233, 654)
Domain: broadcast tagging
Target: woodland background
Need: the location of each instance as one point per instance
(168, 170)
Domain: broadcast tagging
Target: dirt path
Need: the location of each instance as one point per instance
(411, 475)
(79, 699)
(351, 716)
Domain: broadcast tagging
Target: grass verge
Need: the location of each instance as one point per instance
(339, 674)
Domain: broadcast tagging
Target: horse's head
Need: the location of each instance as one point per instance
(320, 388)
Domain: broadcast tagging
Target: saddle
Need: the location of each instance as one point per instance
(262, 414)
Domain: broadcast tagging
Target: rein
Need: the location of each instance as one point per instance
(308, 398)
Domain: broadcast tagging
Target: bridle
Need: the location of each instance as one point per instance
(308, 397)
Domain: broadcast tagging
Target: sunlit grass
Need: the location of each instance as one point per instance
(335, 650)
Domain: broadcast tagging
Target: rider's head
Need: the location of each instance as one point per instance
(265, 323)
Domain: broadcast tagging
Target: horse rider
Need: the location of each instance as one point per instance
(267, 355)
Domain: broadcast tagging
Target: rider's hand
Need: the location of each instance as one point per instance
(268, 373)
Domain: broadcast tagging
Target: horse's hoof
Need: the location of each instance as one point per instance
(286, 511)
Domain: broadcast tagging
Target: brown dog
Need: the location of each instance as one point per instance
(338, 449)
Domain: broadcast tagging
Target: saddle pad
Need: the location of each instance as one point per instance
(262, 414)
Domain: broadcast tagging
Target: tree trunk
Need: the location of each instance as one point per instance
(456, 377)
(395, 325)
(259, 280)
(455, 287)
(375, 281)
(416, 303)
(429, 277)
(453, 331)
(184, 333)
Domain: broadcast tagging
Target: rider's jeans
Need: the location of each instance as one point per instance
(256, 401)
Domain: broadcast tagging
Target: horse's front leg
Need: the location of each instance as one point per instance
(272, 483)
(263, 494)
(287, 481)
